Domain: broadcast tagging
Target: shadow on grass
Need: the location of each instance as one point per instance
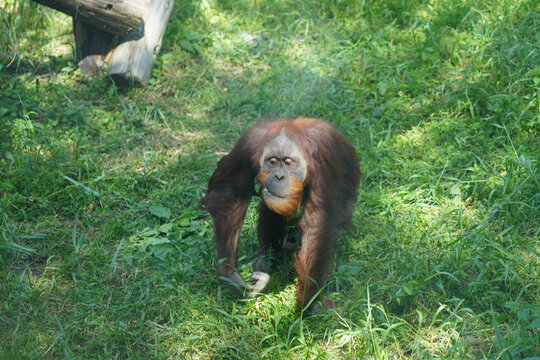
(448, 208)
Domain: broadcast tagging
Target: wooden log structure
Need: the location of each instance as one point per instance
(113, 16)
(130, 63)
(119, 36)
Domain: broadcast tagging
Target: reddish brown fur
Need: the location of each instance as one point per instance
(329, 192)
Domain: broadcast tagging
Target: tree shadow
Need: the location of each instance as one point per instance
(440, 174)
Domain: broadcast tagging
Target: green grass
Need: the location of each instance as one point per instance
(105, 252)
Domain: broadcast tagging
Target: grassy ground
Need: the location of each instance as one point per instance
(105, 253)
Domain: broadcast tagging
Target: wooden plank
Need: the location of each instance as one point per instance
(90, 41)
(130, 63)
(119, 17)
